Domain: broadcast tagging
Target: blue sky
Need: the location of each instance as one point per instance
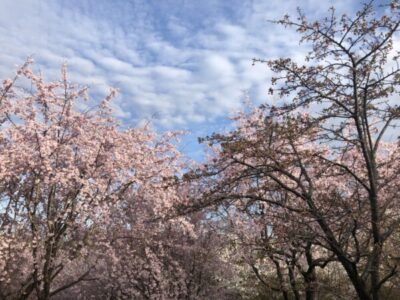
(183, 64)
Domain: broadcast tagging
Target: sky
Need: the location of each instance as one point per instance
(180, 64)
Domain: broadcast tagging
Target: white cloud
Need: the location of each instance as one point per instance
(217, 67)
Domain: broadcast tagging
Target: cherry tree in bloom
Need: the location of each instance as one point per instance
(327, 154)
(69, 177)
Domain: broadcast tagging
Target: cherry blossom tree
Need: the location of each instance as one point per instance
(64, 174)
(326, 156)
(86, 207)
